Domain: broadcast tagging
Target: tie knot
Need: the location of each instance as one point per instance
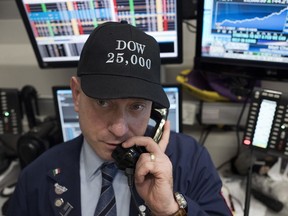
(109, 171)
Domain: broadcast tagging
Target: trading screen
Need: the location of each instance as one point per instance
(61, 27)
(246, 29)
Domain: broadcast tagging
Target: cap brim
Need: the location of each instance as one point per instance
(116, 87)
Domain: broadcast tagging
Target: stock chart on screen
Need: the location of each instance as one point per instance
(246, 29)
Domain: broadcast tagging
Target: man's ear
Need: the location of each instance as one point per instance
(76, 90)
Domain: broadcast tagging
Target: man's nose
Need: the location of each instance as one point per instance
(119, 124)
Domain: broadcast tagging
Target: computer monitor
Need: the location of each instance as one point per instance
(243, 38)
(58, 29)
(68, 118)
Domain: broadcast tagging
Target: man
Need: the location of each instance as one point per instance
(117, 86)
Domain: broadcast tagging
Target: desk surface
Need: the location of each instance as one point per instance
(277, 186)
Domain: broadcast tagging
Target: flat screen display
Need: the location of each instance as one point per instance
(248, 36)
(58, 29)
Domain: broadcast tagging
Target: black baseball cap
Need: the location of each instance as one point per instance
(119, 60)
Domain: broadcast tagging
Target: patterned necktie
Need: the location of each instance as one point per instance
(107, 204)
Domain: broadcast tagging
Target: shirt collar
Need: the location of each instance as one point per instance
(92, 162)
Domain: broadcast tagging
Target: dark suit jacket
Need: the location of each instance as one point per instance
(193, 171)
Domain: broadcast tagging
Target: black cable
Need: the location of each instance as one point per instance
(204, 134)
(239, 122)
(129, 172)
(248, 187)
(245, 102)
(191, 28)
(223, 164)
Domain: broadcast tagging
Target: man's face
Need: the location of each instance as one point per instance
(107, 123)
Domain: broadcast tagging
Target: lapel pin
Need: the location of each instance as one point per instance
(56, 171)
(59, 189)
(59, 202)
(67, 208)
(142, 209)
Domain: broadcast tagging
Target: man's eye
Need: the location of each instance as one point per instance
(102, 103)
(138, 107)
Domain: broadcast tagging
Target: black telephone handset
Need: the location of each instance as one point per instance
(127, 157)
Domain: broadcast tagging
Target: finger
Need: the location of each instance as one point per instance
(146, 165)
(144, 171)
(152, 164)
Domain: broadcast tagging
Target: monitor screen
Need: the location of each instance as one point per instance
(244, 37)
(58, 29)
(68, 118)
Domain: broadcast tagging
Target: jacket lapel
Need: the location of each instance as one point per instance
(64, 182)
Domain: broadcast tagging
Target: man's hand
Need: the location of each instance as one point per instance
(153, 174)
